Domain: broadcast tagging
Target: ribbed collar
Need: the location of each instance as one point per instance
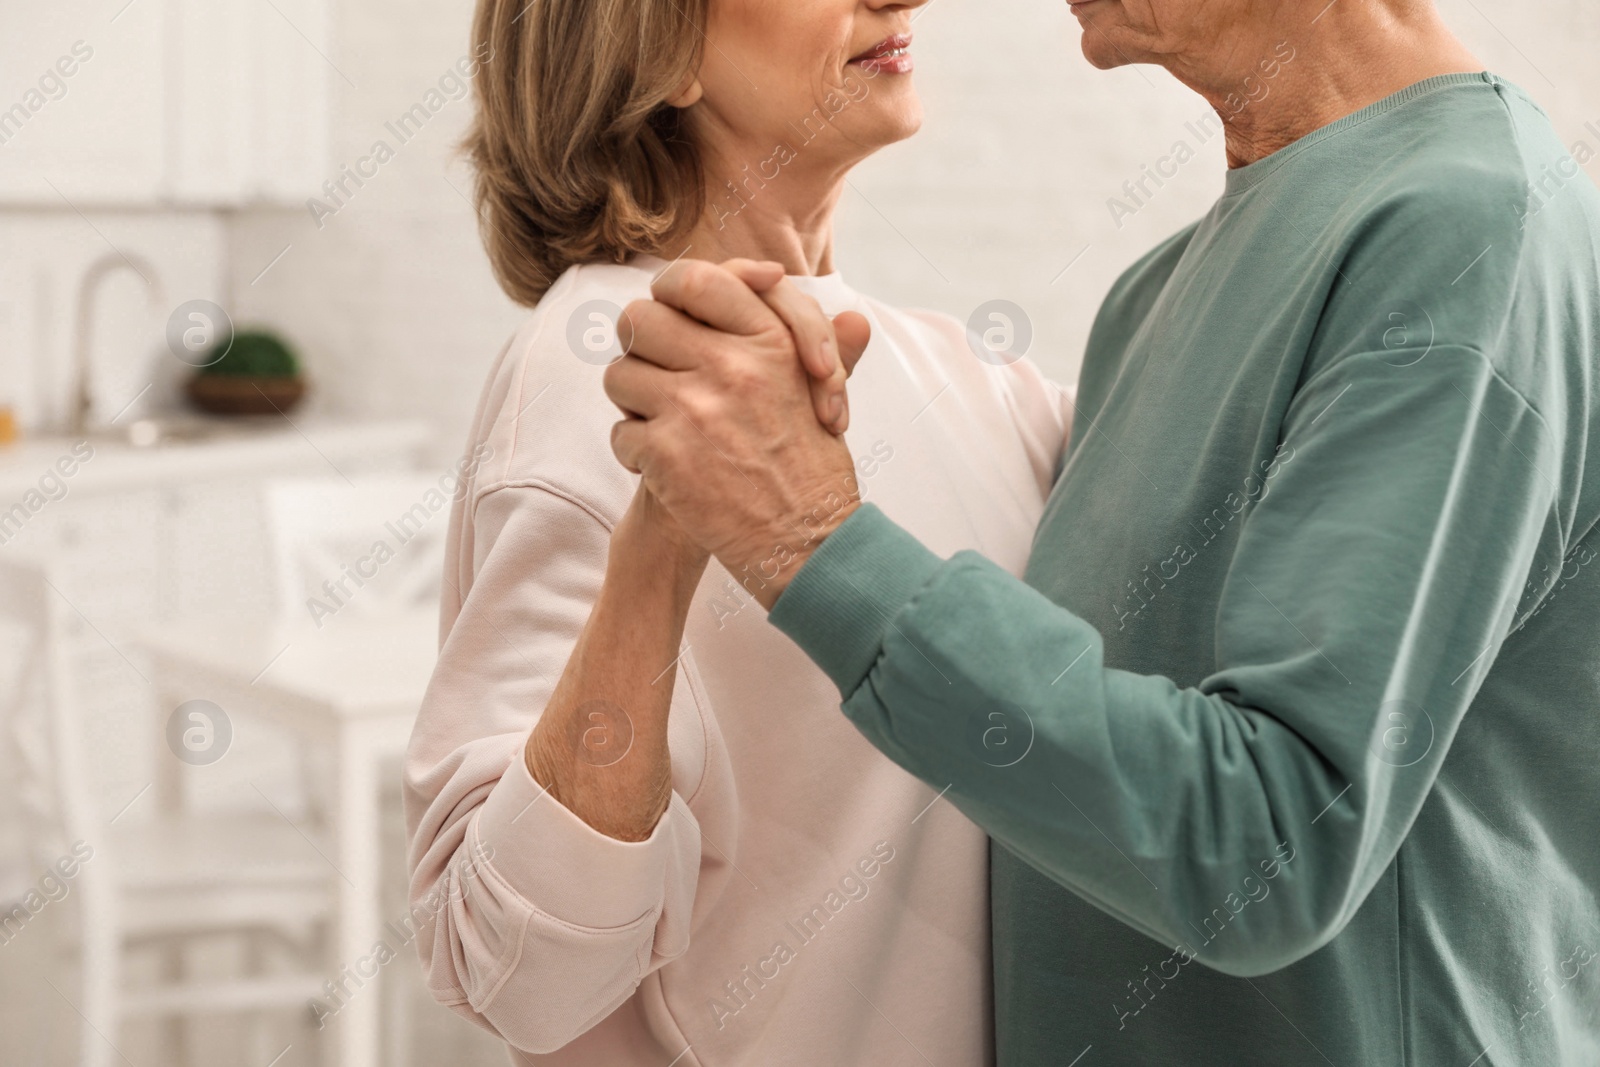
(1247, 177)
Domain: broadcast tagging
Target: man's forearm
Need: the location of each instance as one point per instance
(767, 574)
(986, 690)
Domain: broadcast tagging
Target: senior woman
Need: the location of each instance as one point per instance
(658, 840)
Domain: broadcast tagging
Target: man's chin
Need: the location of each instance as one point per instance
(1100, 52)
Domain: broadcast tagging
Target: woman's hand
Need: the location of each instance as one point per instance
(828, 350)
(649, 530)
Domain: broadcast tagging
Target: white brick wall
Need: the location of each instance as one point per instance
(397, 313)
(1006, 184)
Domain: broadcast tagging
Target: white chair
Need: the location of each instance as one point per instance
(154, 885)
(340, 666)
(356, 555)
(365, 549)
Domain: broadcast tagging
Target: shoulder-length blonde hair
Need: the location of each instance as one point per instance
(579, 157)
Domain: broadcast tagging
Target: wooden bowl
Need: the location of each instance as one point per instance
(222, 394)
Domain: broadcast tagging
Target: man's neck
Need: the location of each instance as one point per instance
(1355, 54)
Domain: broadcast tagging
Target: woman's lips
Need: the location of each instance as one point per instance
(892, 55)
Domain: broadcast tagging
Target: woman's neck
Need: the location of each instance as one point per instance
(786, 218)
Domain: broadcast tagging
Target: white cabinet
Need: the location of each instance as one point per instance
(250, 100)
(81, 102)
(181, 102)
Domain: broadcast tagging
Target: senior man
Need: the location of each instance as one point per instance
(1287, 741)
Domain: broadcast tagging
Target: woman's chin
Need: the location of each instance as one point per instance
(910, 128)
(891, 127)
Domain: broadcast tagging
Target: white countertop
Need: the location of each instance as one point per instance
(248, 449)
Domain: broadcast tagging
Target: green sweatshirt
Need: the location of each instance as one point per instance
(1289, 742)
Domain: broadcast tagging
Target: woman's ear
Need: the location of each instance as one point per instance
(688, 93)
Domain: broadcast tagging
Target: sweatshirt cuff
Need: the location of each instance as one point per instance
(563, 866)
(839, 605)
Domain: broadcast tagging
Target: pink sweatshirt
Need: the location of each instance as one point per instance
(803, 901)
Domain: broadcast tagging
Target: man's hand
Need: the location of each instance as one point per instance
(814, 336)
(721, 420)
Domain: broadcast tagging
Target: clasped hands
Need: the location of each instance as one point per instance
(733, 392)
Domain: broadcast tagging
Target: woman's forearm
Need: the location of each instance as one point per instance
(600, 747)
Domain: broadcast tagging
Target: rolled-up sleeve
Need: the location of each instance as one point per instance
(530, 922)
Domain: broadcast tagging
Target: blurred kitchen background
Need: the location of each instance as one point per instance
(200, 836)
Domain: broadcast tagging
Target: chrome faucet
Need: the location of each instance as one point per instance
(88, 289)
